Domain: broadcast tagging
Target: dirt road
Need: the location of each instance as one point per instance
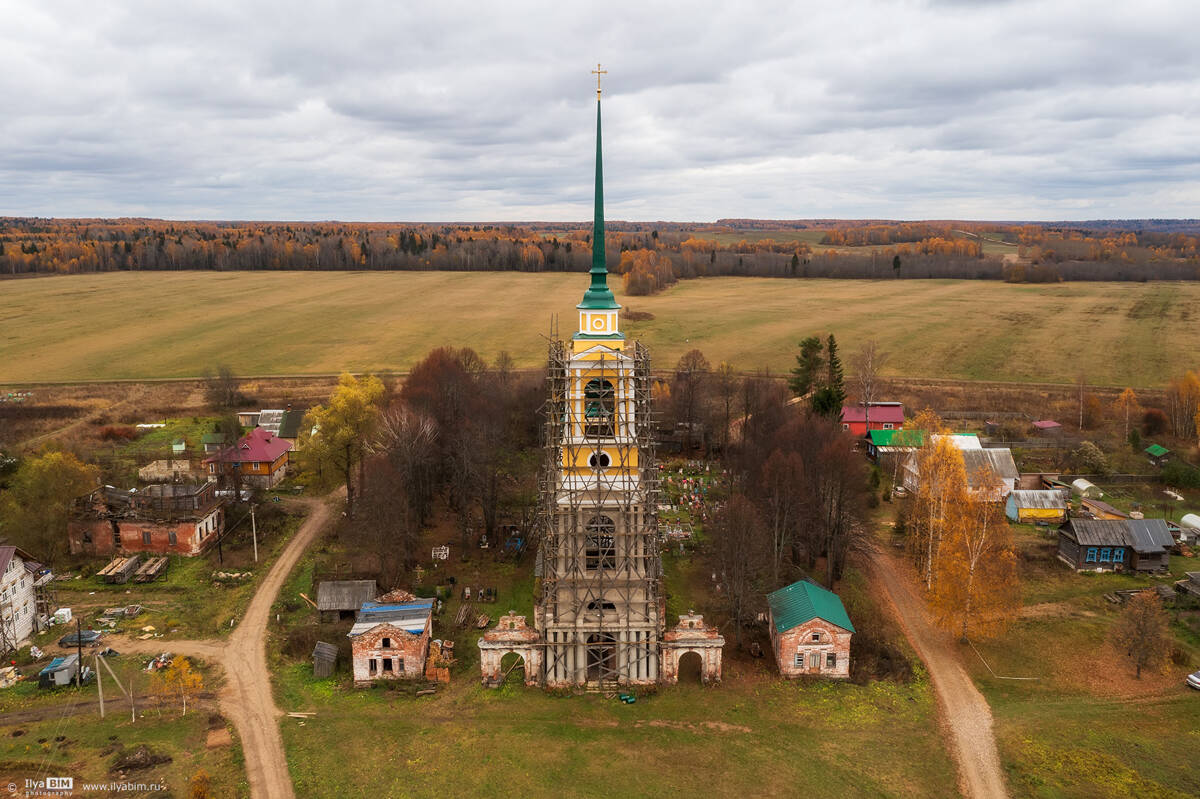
(964, 711)
(246, 698)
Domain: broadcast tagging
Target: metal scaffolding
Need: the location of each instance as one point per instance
(601, 606)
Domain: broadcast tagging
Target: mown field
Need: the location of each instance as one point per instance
(161, 325)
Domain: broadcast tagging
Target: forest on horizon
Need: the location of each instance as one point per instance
(649, 255)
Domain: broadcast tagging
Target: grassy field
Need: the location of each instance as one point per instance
(111, 326)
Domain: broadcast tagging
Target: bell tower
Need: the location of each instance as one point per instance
(600, 609)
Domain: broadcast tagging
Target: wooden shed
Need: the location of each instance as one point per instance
(1031, 507)
(324, 659)
(341, 599)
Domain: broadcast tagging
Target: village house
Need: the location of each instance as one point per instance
(1141, 545)
(391, 642)
(341, 599)
(991, 473)
(21, 581)
(810, 631)
(164, 518)
(260, 458)
(1045, 506)
(883, 416)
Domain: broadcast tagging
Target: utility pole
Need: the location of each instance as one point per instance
(100, 686)
(254, 533)
(78, 653)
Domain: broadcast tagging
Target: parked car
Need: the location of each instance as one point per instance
(84, 637)
(1193, 680)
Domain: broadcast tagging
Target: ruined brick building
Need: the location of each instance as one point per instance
(166, 518)
(600, 616)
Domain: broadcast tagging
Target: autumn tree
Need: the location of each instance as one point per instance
(725, 387)
(976, 587)
(782, 475)
(1127, 407)
(689, 390)
(1183, 401)
(1141, 632)
(740, 552)
(867, 363)
(343, 428)
(178, 679)
(37, 505)
(200, 785)
(942, 487)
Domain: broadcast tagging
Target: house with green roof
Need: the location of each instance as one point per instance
(810, 631)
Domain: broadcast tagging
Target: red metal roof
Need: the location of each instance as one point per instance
(883, 412)
(1047, 424)
(257, 446)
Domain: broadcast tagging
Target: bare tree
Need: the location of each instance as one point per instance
(867, 363)
(1142, 633)
(691, 382)
(741, 554)
(221, 388)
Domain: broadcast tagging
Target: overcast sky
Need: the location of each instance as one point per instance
(446, 111)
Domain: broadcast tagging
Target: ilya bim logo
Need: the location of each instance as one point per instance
(48, 787)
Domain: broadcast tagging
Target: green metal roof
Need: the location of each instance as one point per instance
(212, 438)
(598, 296)
(1156, 450)
(897, 438)
(797, 603)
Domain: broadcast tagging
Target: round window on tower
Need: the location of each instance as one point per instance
(599, 460)
(598, 323)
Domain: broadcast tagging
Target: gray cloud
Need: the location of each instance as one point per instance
(456, 111)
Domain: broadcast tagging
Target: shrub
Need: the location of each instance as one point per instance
(1154, 422)
(118, 433)
(1179, 475)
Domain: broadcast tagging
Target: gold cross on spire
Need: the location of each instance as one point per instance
(598, 72)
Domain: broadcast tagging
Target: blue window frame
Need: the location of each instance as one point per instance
(1118, 555)
(1105, 555)
(1091, 555)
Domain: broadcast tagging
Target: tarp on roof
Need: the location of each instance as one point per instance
(58, 664)
(804, 600)
(344, 594)
(1046, 499)
(1046, 424)
(412, 617)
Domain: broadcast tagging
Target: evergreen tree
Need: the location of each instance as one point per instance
(807, 374)
(828, 398)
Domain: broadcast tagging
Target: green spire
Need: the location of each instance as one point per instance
(598, 294)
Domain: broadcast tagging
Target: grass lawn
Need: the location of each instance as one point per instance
(318, 323)
(85, 747)
(754, 734)
(1086, 727)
